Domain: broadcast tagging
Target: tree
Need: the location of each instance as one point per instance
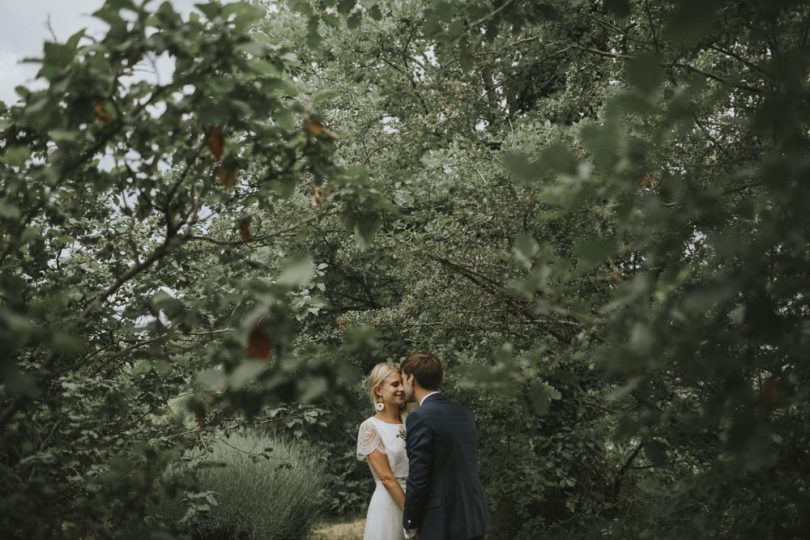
(112, 189)
(592, 211)
(600, 214)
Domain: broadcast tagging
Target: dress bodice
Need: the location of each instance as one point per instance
(389, 439)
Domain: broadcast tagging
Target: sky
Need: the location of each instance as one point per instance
(23, 31)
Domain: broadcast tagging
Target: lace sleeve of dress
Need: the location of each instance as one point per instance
(368, 440)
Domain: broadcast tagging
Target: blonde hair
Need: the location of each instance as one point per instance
(377, 376)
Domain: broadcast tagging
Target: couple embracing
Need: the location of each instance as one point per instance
(426, 470)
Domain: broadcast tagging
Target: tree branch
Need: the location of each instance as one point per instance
(617, 483)
(713, 76)
(258, 239)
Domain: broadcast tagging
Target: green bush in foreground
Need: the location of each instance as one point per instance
(265, 488)
(248, 486)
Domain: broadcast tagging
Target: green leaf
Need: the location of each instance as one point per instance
(246, 15)
(690, 19)
(432, 28)
(331, 20)
(301, 6)
(617, 8)
(246, 372)
(73, 41)
(258, 46)
(632, 102)
(466, 58)
(67, 344)
(19, 385)
(243, 9)
(298, 271)
(168, 304)
(345, 7)
(212, 379)
(313, 388)
(9, 211)
(641, 339)
(519, 167)
(263, 67)
(603, 143)
(314, 38)
(209, 9)
(524, 249)
(594, 251)
(559, 159)
(286, 120)
(323, 97)
(375, 13)
(454, 30)
(284, 186)
(16, 156)
(162, 367)
(282, 87)
(57, 57)
(62, 135)
(353, 20)
(118, 5)
(165, 15)
(644, 72)
(110, 15)
(363, 226)
(444, 11)
(656, 453)
(540, 396)
(290, 58)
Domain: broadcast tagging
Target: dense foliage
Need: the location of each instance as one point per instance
(241, 485)
(125, 207)
(593, 211)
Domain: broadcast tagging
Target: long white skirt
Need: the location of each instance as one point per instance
(384, 518)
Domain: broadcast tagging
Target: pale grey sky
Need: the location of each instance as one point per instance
(23, 31)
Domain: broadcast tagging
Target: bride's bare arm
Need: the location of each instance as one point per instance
(379, 463)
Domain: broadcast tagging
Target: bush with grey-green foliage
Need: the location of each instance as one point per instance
(265, 488)
(247, 486)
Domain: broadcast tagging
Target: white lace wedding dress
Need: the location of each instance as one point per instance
(384, 518)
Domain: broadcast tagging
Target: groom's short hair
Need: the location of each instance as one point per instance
(426, 369)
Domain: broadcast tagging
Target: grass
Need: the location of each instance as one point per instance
(351, 530)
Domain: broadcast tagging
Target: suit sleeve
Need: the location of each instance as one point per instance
(419, 444)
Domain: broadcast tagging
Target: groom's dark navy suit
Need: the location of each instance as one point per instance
(444, 498)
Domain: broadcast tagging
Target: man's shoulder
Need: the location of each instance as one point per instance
(439, 401)
(444, 406)
(426, 410)
(436, 406)
(435, 398)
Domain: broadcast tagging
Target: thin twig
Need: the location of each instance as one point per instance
(258, 239)
(713, 76)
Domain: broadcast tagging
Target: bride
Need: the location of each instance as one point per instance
(381, 441)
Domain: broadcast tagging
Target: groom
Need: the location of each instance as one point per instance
(444, 499)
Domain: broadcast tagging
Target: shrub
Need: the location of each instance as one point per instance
(248, 486)
(265, 488)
